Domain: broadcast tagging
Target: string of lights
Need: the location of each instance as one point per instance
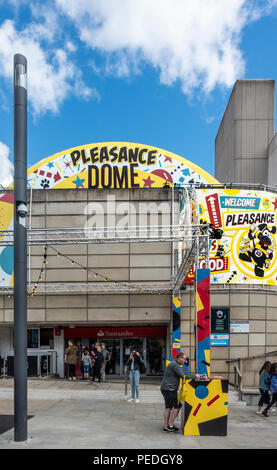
(42, 269)
(96, 274)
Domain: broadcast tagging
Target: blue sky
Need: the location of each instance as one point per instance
(153, 72)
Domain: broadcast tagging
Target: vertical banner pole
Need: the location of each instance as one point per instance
(176, 326)
(202, 321)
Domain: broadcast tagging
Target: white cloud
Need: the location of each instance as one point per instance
(6, 173)
(193, 43)
(52, 77)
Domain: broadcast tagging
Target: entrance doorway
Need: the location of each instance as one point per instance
(113, 365)
(129, 344)
(119, 341)
(155, 356)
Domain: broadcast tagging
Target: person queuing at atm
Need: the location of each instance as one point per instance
(106, 357)
(87, 364)
(79, 358)
(98, 357)
(71, 359)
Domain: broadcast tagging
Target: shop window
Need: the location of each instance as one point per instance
(32, 338)
(47, 338)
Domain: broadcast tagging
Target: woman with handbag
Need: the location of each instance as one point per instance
(136, 367)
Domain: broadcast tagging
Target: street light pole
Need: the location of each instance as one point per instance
(20, 248)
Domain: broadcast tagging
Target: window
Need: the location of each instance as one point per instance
(47, 338)
(39, 338)
(32, 338)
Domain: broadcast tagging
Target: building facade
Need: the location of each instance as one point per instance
(120, 293)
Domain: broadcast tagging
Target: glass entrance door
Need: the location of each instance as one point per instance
(128, 344)
(155, 356)
(113, 365)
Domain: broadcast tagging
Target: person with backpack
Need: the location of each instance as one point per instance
(264, 386)
(136, 368)
(273, 388)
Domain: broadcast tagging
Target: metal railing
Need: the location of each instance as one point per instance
(238, 381)
(238, 369)
(50, 367)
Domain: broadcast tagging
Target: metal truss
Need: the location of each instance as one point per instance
(198, 241)
(198, 250)
(136, 234)
(116, 287)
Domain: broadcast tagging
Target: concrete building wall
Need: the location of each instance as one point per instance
(272, 162)
(259, 307)
(130, 262)
(246, 129)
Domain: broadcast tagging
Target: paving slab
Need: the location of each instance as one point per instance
(92, 417)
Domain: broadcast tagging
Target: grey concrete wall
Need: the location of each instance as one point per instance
(259, 308)
(246, 129)
(272, 162)
(131, 262)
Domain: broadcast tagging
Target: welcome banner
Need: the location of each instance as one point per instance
(242, 236)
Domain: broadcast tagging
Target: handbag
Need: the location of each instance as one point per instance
(142, 368)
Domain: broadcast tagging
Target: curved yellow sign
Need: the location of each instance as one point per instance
(111, 165)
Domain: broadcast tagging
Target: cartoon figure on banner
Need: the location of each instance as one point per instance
(258, 247)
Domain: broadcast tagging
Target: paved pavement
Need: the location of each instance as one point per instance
(80, 415)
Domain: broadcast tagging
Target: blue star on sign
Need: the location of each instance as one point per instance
(79, 182)
(50, 164)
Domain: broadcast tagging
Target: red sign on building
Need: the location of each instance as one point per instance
(122, 332)
(214, 210)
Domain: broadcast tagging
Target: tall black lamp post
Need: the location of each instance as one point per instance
(20, 248)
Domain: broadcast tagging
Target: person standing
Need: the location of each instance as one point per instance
(169, 389)
(106, 357)
(86, 363)
(71, 359)
(98, 356)
(264, 386)
(135, 364)
(79, 358)
(273, 388)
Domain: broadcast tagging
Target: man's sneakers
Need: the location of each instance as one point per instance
(171, 429)
(137, 400)
(130, 400)
(265, 414)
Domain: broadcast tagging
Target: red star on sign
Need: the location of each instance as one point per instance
(168, 159)
(275, 204)
(148, 182)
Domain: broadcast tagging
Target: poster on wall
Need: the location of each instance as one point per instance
(239, 326)
(220, 319)
(6, 252)
(243, 236)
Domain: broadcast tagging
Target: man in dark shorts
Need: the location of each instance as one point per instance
(169, 388)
